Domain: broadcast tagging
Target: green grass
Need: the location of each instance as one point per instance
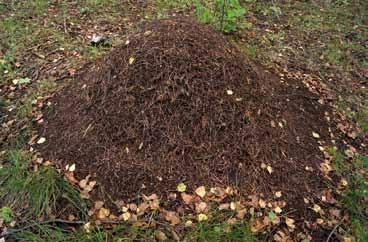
(46, 233)
(204, 232)
(174, 4)
(355, 201)
(338, 161)
(362, 120)
(25, 107)
(213, 232)
(251, 51)
(39, 191)
(355, 197)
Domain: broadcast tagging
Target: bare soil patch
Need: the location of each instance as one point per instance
(179, 103)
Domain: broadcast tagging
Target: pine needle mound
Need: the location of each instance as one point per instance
(179, 103)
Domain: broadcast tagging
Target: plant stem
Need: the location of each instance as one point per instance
(222, 15)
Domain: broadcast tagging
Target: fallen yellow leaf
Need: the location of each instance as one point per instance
(202, 217)
(269, 169)
(131, 60)
(103, 213)
(87, 227)
(181, 187)
(126, 216)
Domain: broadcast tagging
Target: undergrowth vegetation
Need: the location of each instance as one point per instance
(355, 197)
(209, 231)
(226, 15)
(37, 193)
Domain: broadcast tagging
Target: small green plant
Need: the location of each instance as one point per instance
(273, 11)
(226, 15)
(6, 214)
(177, 4)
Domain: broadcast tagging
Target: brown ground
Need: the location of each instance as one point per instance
(168, 116)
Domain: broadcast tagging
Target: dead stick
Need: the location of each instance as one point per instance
(332, 232)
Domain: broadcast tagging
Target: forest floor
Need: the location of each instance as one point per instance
(45, 44)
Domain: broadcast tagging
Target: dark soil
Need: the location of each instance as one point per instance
(168, 116)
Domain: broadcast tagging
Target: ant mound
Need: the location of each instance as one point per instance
(179, 103)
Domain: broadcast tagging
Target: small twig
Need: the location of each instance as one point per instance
(332, 232)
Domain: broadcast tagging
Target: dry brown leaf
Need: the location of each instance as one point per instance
(142, 208)
(241, 213)
(229, 190)
(257, 226)
(71, 217)
(231, 221)
(172, 217)
(201, 191)
(124, 209)
(154, 204)
(319, 221)
(290, 223)
(133, 207)
(98, 205)
(201, 207)
(218, 191)
(126, 216)
(103, 213)
(278, 194)
(161, 236)
(262, 203)
(113, 217)
(188, 199)
(70, 177)
(232, 206)
(316, 208)
(224, 206)
(90, 186)
(278, 210)
(280, 236)
(188, 223)
(83, 183)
